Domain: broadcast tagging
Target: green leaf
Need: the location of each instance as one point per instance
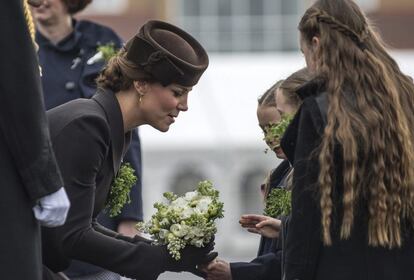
(275, 131)
(108, 51)
(278, 203)
(120, 189)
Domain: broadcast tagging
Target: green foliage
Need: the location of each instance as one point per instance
(185, 220)
(108, 50)
(274, 132)
(278, 203)
(121, 186)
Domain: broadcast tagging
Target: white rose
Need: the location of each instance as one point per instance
(179, 203)
(178, 230)
(187, 212)
(202, 205)
(189, 196)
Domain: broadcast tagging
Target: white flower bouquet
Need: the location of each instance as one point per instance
(185, 220)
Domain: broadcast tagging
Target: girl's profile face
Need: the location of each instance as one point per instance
(267, 116)
(162, 105)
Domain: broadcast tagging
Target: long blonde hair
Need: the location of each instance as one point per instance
(370, 116)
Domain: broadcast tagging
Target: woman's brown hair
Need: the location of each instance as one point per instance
(370, 116)
(111, 77)
(114, 76)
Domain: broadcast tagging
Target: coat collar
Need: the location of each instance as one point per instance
(311, 88)
(67, 44)
(119, 139)
(288, 141)
(314, 88)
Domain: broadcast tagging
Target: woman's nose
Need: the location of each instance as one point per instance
(183, 105)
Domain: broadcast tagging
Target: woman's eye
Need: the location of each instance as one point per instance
(177, 93)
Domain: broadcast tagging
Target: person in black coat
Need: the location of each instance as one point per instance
(145, 83)
(30, 180)
(351, 145)
(70, 62)
(279, 101)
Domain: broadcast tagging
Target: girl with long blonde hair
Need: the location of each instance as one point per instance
(352, 148)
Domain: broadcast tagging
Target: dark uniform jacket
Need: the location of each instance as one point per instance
(306, 256)
(28, 170)
(89, 144)
(267, 265)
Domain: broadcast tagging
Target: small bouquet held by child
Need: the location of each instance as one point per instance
(185, 220)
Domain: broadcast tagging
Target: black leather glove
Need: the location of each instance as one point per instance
(190, 257)
(138, 238)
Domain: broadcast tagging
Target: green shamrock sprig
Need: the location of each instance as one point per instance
(107, 50)
(121, 186)
(274, 131)
(278, 203)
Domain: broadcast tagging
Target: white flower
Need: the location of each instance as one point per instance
(189, 196)
(163, 233)
(178, 230)
(164, 222)
(187, 212)
(197, 232)
(179, 203)
(197, 242)
(202, 205)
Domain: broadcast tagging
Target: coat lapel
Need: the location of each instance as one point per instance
(119, 140)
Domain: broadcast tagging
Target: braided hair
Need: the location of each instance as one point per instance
(370, 123)
(29, 20)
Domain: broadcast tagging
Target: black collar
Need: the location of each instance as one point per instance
(119, 139)
(314, 88)
(311, 88)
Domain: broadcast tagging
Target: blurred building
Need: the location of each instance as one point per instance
(394, 19)
(245, 25)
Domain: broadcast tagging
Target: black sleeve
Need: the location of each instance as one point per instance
(303, 237)
(23, 123)
(81, 148)
(264, 267)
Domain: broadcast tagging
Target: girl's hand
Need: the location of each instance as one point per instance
(260, 224)
(218, 270)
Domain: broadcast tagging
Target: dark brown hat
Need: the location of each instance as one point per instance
(166, 54)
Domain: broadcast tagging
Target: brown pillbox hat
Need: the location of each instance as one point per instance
(166, 54)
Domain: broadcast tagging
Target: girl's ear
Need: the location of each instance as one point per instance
(315, 43)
